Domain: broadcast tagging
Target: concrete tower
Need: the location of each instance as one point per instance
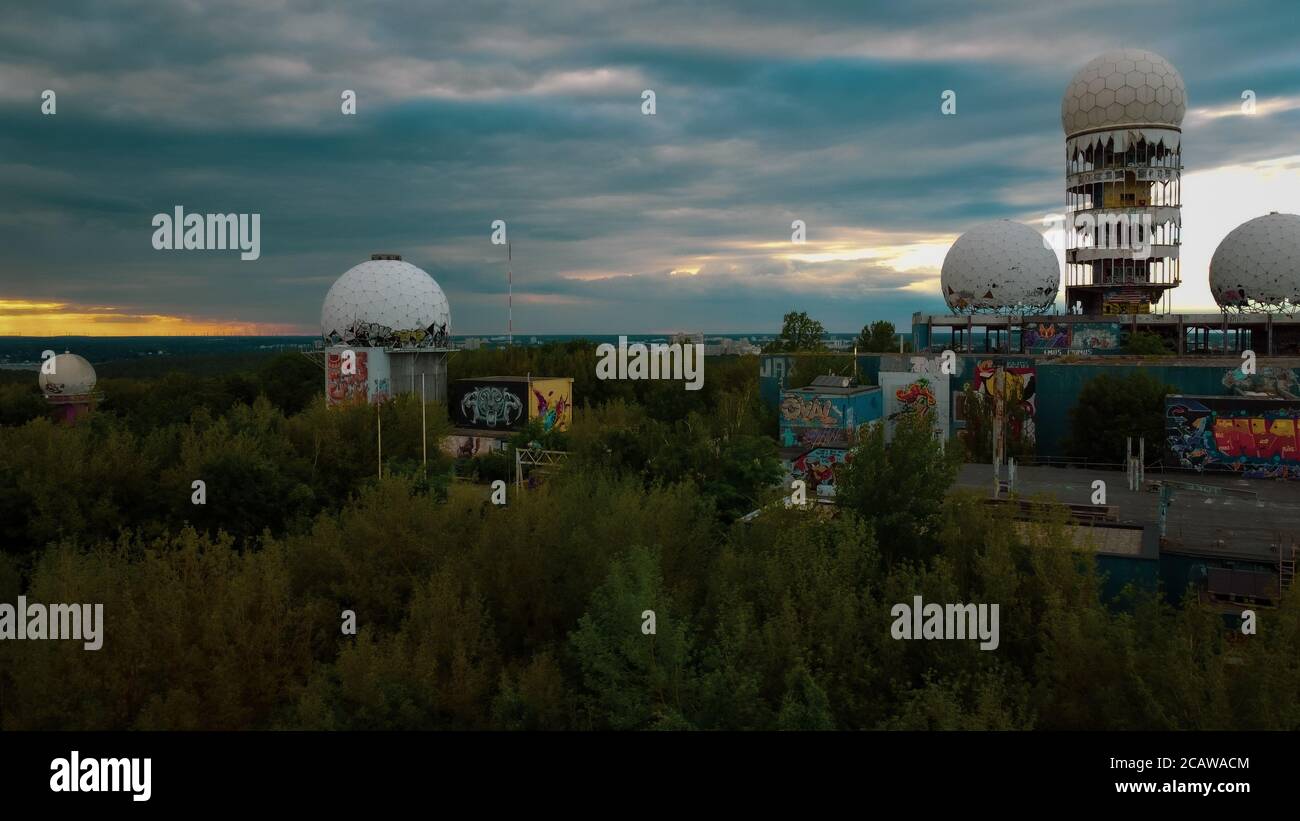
(1122, 116)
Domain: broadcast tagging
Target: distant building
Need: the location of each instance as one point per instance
(731, 347)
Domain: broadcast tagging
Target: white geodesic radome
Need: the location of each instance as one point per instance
(73, 378)
(1256, 267)
(1000, 267)
(1124, 89)
(385, 302)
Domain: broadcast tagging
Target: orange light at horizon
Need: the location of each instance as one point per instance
(23, 317)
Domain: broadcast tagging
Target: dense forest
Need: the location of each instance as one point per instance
(530, 615)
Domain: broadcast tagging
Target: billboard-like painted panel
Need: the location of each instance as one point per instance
(368, 381)
(1256, 438)
(912, 393)
(551, 401)
(489, 404)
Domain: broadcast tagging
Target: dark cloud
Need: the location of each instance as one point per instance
(767, 112)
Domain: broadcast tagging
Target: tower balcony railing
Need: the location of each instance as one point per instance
(1093, 254)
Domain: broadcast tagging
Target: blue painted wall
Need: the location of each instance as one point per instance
(810, 418)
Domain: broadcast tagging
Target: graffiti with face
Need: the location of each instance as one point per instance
(915, 398)
(492, 407)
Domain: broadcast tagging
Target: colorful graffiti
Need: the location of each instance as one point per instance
(1096, 336)
(549, 408)
(491, 406)
(811, 419)
(1257, 438)
(1014, 381)
(810, 411)
(917, 397)
(343, 387)
(1047, 336)
(909, 393)
(818, 437)
(816, 467)
(1276, 381)
(1053, 337)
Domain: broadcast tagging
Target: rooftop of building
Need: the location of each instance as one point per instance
(1224, 527)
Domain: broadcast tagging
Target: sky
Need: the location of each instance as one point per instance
(532, 113)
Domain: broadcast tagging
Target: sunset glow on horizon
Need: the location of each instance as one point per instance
(22, 317)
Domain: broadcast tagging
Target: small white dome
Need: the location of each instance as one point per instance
(73, 376)
(1124, 88)
(385, 302)
(1257, 265)
(1000, 266)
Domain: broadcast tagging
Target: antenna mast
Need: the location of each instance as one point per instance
(510, 299)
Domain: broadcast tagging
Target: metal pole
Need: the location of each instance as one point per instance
(424, 434)
(380, 433)
(510, 298)
(1128, 461)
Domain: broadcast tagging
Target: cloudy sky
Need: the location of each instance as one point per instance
(468, 112)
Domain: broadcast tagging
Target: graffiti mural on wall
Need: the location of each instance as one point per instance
(1091, 337)
(1096, 336)
(816, 467)
(775, 367)
(346, 387)
(912, 393)
(1277, 381)
(1257, 438)
(818, 437)
(1014, 381)
(373, 335)
(1047, 336)
(491, 407)
(916, 398)
(549, 408)
(810, 411)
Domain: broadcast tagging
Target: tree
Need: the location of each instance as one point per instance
(878, 337)
(799, 332)
(900, 487)
(981, 419)
(1146, 343)
(634, 679)
(1112, 408)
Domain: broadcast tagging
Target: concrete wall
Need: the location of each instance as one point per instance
(406, 368)
(1059, 386)
(1053, 386)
